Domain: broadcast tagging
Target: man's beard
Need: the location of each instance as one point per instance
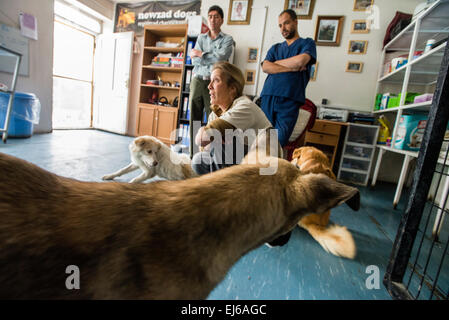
(290, 35)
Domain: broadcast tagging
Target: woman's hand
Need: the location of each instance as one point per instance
(202, 138)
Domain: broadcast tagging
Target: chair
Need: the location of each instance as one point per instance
(306, 120)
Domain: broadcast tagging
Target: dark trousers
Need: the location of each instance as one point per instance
(282, 113)
(209, 161)
(199, 102)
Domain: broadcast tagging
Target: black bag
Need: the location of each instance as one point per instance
(399, 22)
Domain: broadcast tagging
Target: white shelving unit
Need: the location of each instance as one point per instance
(418, 75)
(358, 153)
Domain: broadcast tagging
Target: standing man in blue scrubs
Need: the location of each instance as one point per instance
(288, 66)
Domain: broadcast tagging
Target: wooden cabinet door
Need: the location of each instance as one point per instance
(166, 120)
(146, 119)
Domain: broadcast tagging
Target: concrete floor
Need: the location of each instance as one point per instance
(299, 270)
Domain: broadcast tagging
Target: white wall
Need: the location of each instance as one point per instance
(40, 80)
(354, 91)
(348, 90)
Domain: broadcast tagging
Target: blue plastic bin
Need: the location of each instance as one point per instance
(23, 114)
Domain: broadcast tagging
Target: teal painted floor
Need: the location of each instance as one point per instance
(299, 270)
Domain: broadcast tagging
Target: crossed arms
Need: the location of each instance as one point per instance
(292, 64)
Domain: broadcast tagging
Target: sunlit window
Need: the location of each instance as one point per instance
(76, 16)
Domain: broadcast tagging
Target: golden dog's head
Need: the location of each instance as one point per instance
(146, 148)
(312, 160)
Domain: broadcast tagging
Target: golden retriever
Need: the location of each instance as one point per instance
(153, 157)
(163, 240)
(334, 239)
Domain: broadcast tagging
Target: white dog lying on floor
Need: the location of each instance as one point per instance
(153, 157)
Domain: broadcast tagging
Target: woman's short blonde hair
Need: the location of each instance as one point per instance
(232, 75)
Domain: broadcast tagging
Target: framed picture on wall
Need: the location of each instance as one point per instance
(352, 66)
(362, 5)
(303, 8)
(360, 26)
(313, 71)
(239, 11)
(357, 46)
(250, 76)
(328, 30)
(252, 54)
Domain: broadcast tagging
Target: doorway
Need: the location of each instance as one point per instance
(73, 58)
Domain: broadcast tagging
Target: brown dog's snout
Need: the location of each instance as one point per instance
(154, 163)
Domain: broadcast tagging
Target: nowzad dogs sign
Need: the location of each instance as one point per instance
(134, 16)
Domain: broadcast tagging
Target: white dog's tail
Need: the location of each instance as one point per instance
(334, 239)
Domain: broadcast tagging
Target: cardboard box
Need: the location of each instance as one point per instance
(410, 132)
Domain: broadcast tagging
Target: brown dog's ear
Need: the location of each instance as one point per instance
(140, 142)
(326, 193)
(329, 173)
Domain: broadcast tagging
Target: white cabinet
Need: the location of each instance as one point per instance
(358, 153)
(418, 75)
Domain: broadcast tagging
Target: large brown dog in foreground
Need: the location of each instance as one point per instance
(164, 240)
(334, 239)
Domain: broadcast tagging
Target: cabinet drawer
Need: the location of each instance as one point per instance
(325, 127)
(319, 138)
(357, 178)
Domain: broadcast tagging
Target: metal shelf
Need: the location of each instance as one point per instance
(413, 154)
(431, 21)
(422, 106)
(424, 68)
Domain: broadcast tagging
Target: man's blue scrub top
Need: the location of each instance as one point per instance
(291, 85)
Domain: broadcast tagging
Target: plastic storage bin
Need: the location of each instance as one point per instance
(24, 114)
(362, 134)
(357, 178)
(358, 152)
(354, 164)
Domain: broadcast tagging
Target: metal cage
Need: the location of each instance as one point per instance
(419, 262)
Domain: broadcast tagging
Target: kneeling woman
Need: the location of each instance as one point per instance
(227, 127)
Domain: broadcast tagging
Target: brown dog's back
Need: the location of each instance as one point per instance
(164, 240)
